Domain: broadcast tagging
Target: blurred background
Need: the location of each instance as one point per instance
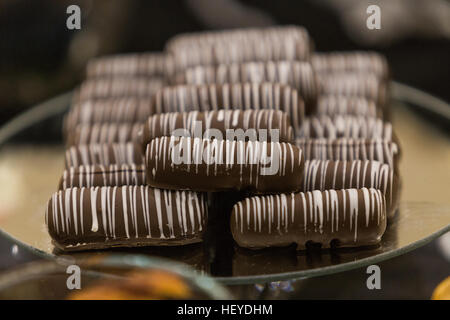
(40, 58)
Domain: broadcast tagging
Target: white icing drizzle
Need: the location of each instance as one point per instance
(67, 209)
(113, 217)
(169, 208)
(63, 224)
(157, 195)
(74, 209)
(104, 209)
(93, 198)
(318, 209)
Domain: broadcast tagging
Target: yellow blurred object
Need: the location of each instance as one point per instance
(442, 291)
(147, 285)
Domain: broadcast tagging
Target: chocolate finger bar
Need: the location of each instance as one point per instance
(240, 45)
(112, 175)
(332, 106)
(219, 165)
(268, 33)
(346, 218)
(231, 96)
(118, 87)
(354, 61)
(105, 133)
(102, 217)
(346, 127)
(262, 125)
(152, 64)
(112, 110)
(350, 149)
(366, 85)
(298, 75)
(325, 174)
(103, 154)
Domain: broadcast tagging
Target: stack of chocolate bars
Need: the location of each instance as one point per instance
(303, 137)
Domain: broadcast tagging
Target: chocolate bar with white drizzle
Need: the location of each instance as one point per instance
(127, 216)
(108, 110)
(342, 218)
(240, 45)
(104, 154)
(103, 176)
(343, 126)
(148, 64)
(117, 87)
(105, 133)
(326, 174)
(351, 61)
(297, 74)
(334, 105)
(350, 149)
(231, 96)
(265, 124)
(359, 84)
(224, 165)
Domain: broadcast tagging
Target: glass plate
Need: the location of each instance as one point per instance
(31, 162)
(47, 279)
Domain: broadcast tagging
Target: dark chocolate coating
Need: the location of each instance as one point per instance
(351, 149)
(101, 217)
(105, 133)
(231, 96)
(351, 61)
(359, 84)
(104, 154)
(118, 87)
(103, 176)
(326, 174)
(353, 217)
(149, 64)
(258, 123)
(240, 45)
(334, 105)
(298, 75)
(223, 165)
(346, 127)
(108, 110)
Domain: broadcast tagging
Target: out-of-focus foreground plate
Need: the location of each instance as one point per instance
(29, 173)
